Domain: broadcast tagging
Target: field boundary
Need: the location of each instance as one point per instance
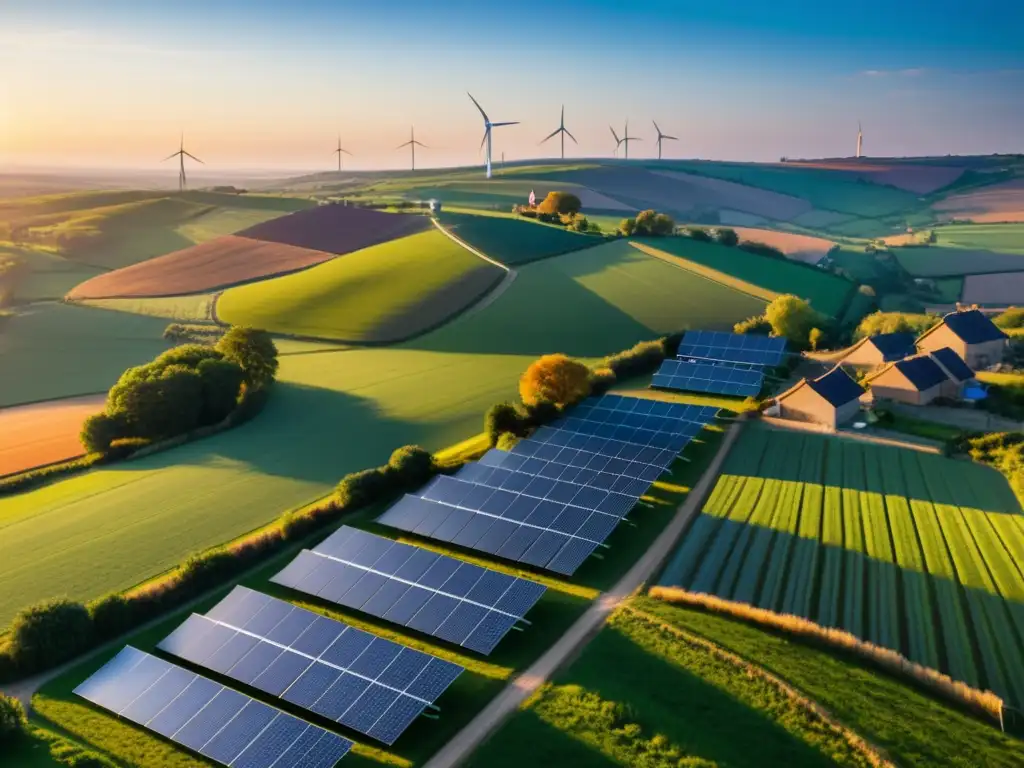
(709, 273)
(521, 687)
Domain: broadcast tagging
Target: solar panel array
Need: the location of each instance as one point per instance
(217, 722)
(706, 377)
(439, 595)
(554, 515)
(732, 347)
(366, 683)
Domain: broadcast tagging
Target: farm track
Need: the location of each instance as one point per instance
(495, 293)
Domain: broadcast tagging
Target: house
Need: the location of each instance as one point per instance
(831, 399)
(956, 370)
(914, 380)
(970, 334)
(876, 351)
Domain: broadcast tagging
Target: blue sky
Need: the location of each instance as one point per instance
(261, 84)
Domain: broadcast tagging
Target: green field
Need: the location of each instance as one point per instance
(967, 249)
(1007, 238)
(514, 241)
(826, 292)
(907, 550)
(379, 294)
(194, 308)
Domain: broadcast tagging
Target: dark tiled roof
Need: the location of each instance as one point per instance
(894, 346)
(923, 372)
(972, 327)
(836, 387)
(953, 363)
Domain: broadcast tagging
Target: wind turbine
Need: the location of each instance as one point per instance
(860, 139)
(564, 131)
(488, 125)
(618, 141)
(339, 151)
(662, 136)
(182, 154)
(412, 144)
(626, 138)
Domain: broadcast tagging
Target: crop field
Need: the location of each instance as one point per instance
(336, 228)
(942, 261)
(380, 294)
(60, 350)
(805, 248)
(509, 191)
(225, 261)
(113, 527)
(996, 203)
(727, 194)
(26, 207)
(44, 433)
(513, 241)
(194, 308)
(826, 292)
(907, 550)
(999, 289)
(1006, 238)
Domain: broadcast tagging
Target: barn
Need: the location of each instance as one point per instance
(956, 370)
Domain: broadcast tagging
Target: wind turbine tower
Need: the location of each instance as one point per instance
(626, 138)
(860, 139)
(488, 126)
(182, 154)
(565, 132)
(412, 144)
(339, 152)
(662, 136)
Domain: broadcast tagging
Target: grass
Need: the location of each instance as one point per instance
(513, 241)
(195, 308)
(1007, 238)
(564, 601)
(379, 294)
(947, 260)
(952, 525)
(826, 292)
(331, 413)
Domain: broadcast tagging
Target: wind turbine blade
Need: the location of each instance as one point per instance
(193, 157)
(486, 118)
(615, 135)
(550, 136)
(487, 132)
(495, 125)
(173, 154)
(403, 145)
(570, 136)
(673, 138)
(421, 144)
(656, 127)
(345, 151)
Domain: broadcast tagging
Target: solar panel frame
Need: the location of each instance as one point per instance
(329, 668)
(355, 549)
(699, 377)
(231, 739)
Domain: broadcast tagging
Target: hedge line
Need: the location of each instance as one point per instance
(55, 631)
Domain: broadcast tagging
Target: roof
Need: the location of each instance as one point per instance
(894, 346)
(953, 363)
(836, 387)
(922, 372)
(972, 327)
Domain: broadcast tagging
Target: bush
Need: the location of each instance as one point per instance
(601, 380)
(579, 223)
(49, 633)
(254, 352)
(126, 446)
(12, 719)
(792, 317)
(650, 222)
(540, 413)
(1011, 318)
(893, 322)
(627, 227)
(815, 338)
(556, 378)
(560, 202)
(412, 466)
(205, 570)
(507, 441)
(762, 249)
(640, 359)
(698, 233)
(361, 488)
(100, 430)
(500, 418)
(726, 236)
(221, 382)
(755, 326)
(111, 616)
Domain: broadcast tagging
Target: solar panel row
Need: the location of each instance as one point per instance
(494, 475)
(439, 595)
(732, 347)
(369, 684)
(217, 722)
(704, 377)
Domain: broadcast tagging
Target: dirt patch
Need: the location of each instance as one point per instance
(337, 228)
(798, 247)
(225, 261)
(989, 205)
(1002, 288)
(36, 435)
(718, 193)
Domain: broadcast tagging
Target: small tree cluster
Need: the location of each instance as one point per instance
(555, 379)
(698, 233)
(791, 317)
(757, 325)
(1011, 318)
(726, 236)
(894, 322)
(648, 223)
(564, 203)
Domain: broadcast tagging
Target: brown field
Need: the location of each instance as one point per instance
(922, 179)
(989, 205)
(1002, 288)
(224, 261)
(337, 228)
(44, 433)
(718, 193)
(798, 247)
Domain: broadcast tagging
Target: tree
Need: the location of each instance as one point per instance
(815, 337)
(1011, 318)
(894, 322)
(412, 465)
(49, 633)
(221, 382)
(662, 225)
(755, 326)
(726, 236)
(502, 417)
(627, 227)
(579, 223)
(560, 202)
(254, 351)
(556, 378)
(792, 317)
(12, 719)
(162, 405)
(698, 233)
(189, 355)
(100, 430)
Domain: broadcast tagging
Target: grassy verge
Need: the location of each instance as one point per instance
(484, 677)
(915, 729)
(931, 430)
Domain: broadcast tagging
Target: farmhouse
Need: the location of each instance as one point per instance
(956, 370)
(831, 399)
(914, 380)
(876, 351)
(970, 334)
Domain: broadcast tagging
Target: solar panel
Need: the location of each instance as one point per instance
(621, 454)
(439, 595)
(732, 347)
(217, 722)
(702, 377)
(495, 469)
(366, 683)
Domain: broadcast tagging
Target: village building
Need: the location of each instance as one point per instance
(970, 334)
(956, 370)
(831, 399)
(914, 380)
(875, 351)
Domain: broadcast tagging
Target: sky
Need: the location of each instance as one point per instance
(263, 84)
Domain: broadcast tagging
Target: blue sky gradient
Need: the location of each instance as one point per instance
(262, 84)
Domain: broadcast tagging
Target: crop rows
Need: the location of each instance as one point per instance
(907, 550)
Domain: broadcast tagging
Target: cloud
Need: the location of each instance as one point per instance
(908, 72)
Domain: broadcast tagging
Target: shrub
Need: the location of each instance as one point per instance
(126, 446)
(507, 441)
(651, 222)
(579, 223)
(1011, 318)
(601, 380)
(792, 317)
(698, 233)
(540, 413)
(560, 202)
(670, 344)
(202, 571)
(111, 616)
(502, 417)
(892, 322)
(627, 227)
(556, 378)
(254, 352)
(815, 337)
(49, 633)
(12, 719)
(756, 326)
(641, 358)
(726, 236)
(100, 430)
(412, 466)
(361, 488)
(866, 290)
(189, 355)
